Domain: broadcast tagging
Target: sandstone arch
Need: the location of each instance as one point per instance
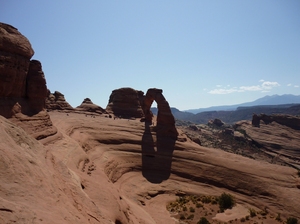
(165, 119)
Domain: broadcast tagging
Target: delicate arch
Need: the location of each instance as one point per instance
(165, 119)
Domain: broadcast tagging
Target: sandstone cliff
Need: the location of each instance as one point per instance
(22, 84)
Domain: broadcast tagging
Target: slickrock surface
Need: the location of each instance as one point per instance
(280, 141)
(103, 170)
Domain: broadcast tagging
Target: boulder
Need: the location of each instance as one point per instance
(216, 122)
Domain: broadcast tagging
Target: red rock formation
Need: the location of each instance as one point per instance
(126, 102)
(15, 54)
(57, 101)
(36, 89)
(165, 119)
(283, 119)
(22, 84)
(88, 105)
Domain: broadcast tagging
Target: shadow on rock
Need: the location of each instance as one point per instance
(156, 156)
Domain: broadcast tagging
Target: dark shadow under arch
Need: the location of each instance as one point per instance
(158, 141)
(156, 156)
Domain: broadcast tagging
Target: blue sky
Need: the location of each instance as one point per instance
(201, 53)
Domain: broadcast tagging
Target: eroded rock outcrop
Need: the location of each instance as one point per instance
(88, 105)
(283, 119)
(15, 54)
(165, 119)
(126, 102)
(57, 101)
(22, 84)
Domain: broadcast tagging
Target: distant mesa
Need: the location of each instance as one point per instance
(88, 105)
(57, 101)
(283, 119)
(22, 84)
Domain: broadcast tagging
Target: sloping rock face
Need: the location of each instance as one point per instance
(276, 135)
(57, 101)
(22, 83)
(88, 105)
(283, 119)
(126, 102)
(165, 119)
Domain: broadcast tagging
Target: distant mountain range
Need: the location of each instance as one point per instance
(267, 100)
(275, 104)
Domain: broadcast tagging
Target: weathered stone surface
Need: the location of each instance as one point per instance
(255, 120)
(22, 84)
(279, 140)
(283, 119)
(57, 101)
(15, 54)
(88, 105)
(165, 119)
(126, 102)
(36, 89)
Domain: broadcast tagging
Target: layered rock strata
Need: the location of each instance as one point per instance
(88, 105)
(22, 84)
(57, 101)
(283, 119)
(126, 102)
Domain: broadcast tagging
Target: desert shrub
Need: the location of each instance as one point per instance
(299, 173)
(243, 220)
(191, 216)
(278, 218)
(182, 217)
(184, 208)
(252, 212)
(264, 212)
(194, 198)
(192, 209)
(291, 220)
(226, 201)
(206, 199)
(203, 220)
(199, 205)
(214, 201)
(182, 200)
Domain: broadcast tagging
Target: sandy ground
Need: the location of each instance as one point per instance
(102, 170)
